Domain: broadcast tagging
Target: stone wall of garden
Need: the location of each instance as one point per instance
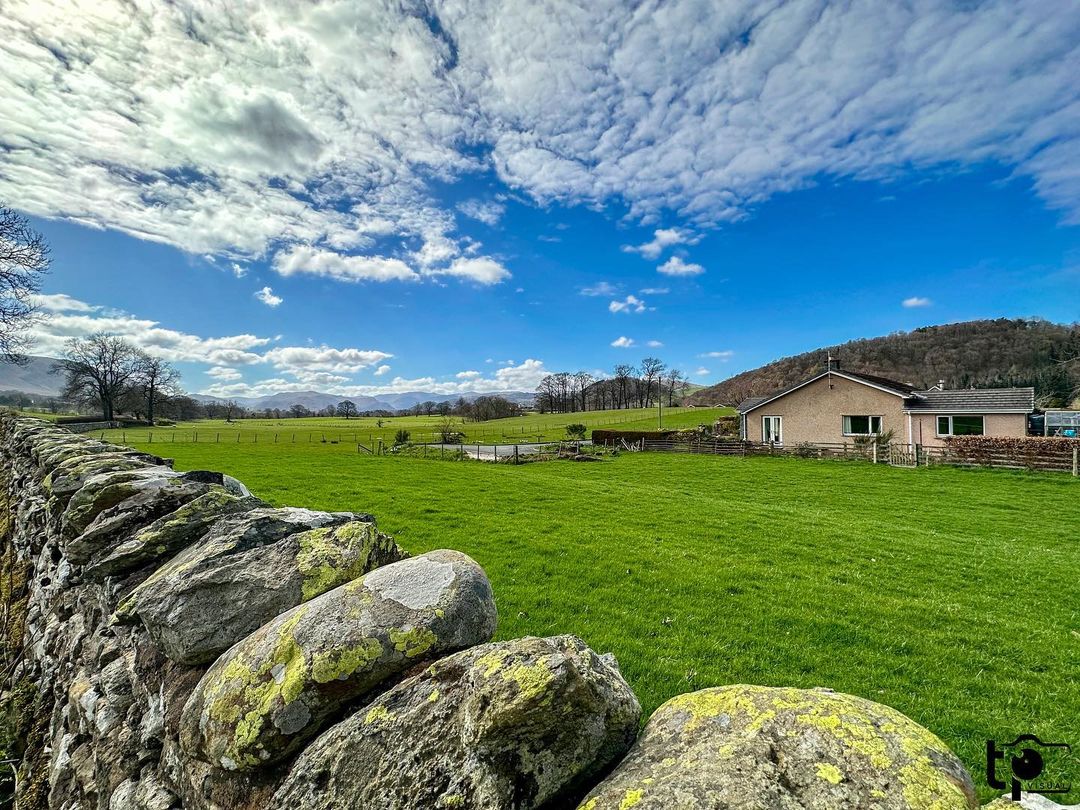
(172, 641)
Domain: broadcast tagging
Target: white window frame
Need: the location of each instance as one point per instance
(846, 416)
(779, 428)
(937, 424)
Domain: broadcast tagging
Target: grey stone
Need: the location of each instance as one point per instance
(170, 533)
(516, 724)
(245, 571)
(150, 499)
(273, 690)
(762, 748)
(104, 491)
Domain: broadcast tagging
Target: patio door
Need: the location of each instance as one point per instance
(772, 429)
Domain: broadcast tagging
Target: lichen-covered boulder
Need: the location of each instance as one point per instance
(70, 474)
(246, 570)
(273, 690)
(170, 533)
(762, 748)
(516, 724)
(104, 491)
(150, 499)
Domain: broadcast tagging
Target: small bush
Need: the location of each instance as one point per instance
(576, 431)
(401, 437)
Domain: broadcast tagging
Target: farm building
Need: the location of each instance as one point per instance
(843, 406)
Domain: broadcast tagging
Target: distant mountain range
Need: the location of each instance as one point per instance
(316, 401)
(35, 379)
(971, 354)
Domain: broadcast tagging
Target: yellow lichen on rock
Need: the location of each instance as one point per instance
(830, 773)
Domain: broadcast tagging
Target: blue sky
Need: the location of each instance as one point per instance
(462, 198)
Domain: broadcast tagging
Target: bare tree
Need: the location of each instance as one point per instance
(448, 430)
(231, 408)
(347, 408)
(623, 373)
(155, 380)
(652, 370)
(24, 259)
(675, 382)
(99, 369)
(582, 381)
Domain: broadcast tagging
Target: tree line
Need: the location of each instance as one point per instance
(998, 353)
(629, 387)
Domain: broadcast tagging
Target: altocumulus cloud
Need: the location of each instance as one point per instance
(228, 360)
(316, 135)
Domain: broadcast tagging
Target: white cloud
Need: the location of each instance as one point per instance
(266, 295)
(381, 370)
(677, 267)
(467, 375)
(623, 342)
(654, 344)
(663, 238)
(600, 288)
(62, 303)
(482, 270)
(916, 301)
(238, 270)
(702, 371)
(655, 291)
(323, 358)
(307, 260)
(725, 355)
(310, 365)
(628, 305)
(487, 212)
(331, 128)
(79, 319)
(224, 373)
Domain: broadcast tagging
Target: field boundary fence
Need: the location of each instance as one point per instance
(1065, 457)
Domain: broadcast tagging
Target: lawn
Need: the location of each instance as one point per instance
(950, 594)
(368, 430)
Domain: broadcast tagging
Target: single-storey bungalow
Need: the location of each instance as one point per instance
(841, 406)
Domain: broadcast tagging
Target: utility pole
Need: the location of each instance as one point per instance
(660, 406)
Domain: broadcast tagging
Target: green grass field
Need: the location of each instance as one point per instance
(950, 594)
(368, 430)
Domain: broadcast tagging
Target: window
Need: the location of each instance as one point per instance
(772, 429)
(862, 425)
(960, 426)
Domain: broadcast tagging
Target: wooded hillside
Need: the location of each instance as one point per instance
(973, 354)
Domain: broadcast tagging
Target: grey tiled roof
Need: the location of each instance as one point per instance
(974, 399)
(747, 404)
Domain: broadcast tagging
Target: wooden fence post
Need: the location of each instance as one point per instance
(1076, 458)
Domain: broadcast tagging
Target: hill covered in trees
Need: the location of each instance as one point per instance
(973, 354)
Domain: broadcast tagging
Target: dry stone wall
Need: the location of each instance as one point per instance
(170, 641)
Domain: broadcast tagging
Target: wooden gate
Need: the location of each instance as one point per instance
(903, 455)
